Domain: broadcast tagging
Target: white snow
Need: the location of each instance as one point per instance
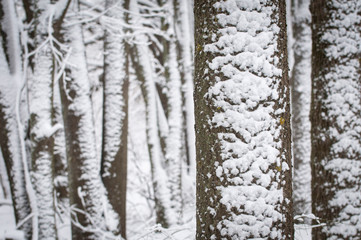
(244, 100)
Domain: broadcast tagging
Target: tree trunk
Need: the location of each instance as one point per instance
(115, 113)
(11, 131)
(85, 188)
(173, 142)
(42, 142)
(301, 101)
(41, 123)
(242, 114)
(144, 74)
(12, 153)
(185, 62)
(336, 118)
(144, 69)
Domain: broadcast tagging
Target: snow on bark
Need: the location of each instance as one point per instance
(11, 147)
(4, 180)
(9, 27)
(115, 112)
(174, 138)
(59, 151)
(301, 101)
(85, 188)
(41, 123)
(11, 129)
(242, 121)
(183, 32)
(173, 141)
(336, 118)
(41, 131)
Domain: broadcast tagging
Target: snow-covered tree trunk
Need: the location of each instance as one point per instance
(85, 188)
(185, 62)
(174, 138)
(144, 69)
(41, 121)
(11, 147)
(243, 137)
(173, 143)
(336, 118)
(4, 180)
(301, 101)
(11, 129)
(59, 151)
(41, 131)
(115, 110)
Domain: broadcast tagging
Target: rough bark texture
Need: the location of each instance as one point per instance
(85, 188)
(236, 149)
(42, 142)
(10, 140)
(11, 151)
(115, 114)
(336, 118)
(59, 151)
(41, 124)
(301, 101)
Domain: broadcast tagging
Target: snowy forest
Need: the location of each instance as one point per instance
(180, 119)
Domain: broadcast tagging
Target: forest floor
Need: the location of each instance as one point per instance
(140, 231)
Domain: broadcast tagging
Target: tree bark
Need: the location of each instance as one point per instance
(11, 151)
(174, 138)
(42, 142)
(115, 113)
(336, 118)
(11, 141)
(85, 188)
(242, 115)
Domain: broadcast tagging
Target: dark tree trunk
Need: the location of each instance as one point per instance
(115, 115)
(11, 132)
(233, 201)
(335, 118)
(85, 187)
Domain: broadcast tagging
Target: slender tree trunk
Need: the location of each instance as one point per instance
(159, 176)
(174, 138)
(59, 151)
(301, 101)
(11, 131)
(42, 142)
(173, 142)
(85, 188)
(41, 122)
(115, 113)
(144, 69)
(336, 118)
(12, 153)
(242, 113)
(185, 62)
(4, 180)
